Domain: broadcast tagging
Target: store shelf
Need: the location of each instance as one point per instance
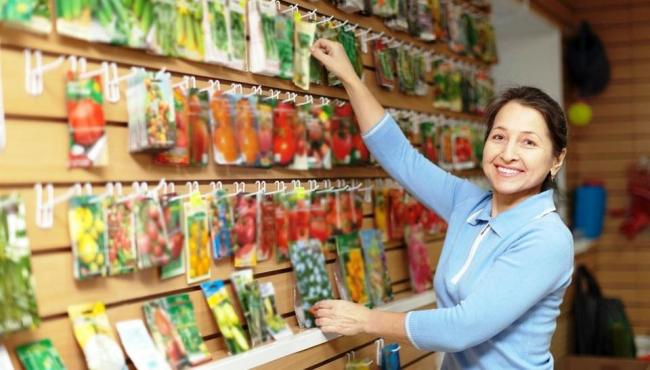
(306, 339)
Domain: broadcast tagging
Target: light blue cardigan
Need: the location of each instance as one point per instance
(500, 280)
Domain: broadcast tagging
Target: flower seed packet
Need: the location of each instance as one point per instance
(150, 233)
(95, 337)
(274, 324)
(172, 208)
(250, 300)
(165, 334)
(139, 346)
(39, 355)
(379, 283)
(312, 280)
(218, 298)
(87, 227)
(120, 221)
(19, 306)
(350, 254)
(419, 267)
(197, 240)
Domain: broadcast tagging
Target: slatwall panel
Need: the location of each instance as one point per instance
(617, 137)
(37, 152)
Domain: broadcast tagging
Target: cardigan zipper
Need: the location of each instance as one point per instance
(472, 253)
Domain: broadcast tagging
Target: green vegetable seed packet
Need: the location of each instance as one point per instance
(218, 299)
(237, 11)
(32, 15)
(217, 34)
(275, 325)
(284, 28)
(181, 311)
(18, 309)
(248, 293)
(40, 355)
(190, 42)
(161, 37)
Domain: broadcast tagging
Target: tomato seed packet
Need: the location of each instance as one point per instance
(356, 209)
(39, 355)
(265, 109)
(246, 131)
(319, 227)
(353, 271)
(319, 146)
(445, 135)
(342, 136)
(86, 123)
(312, 280)
(221, 221)
(223, 124)
(95, 337)
(284, 136)
(223, 311)
(87, 227)
(181, 311)
(151, 237)
(139, 346)
(172, 208)
(429, 137)
(462, 151)
(245, 230)
(120, 222)
(395, 214)
(266, 228)
(379, 284)
(199, 127)
(274, 324)
(300, 158)
(19, 307)
(298, 208)
(346, 212)
(250, 300)
(420, 271)
(197, 241)
(165, 334)
(179, 154)
(281, 227)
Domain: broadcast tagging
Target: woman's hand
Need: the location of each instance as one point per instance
(332, 55)
(341, 317)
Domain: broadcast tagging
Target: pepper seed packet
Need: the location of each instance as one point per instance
(218, 298)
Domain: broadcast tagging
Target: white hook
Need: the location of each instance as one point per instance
(34, 84)
(83, 65)
(102, 71)
(325, 19)
(280, 187)
(233, 88)
(324, 101)
(311, 14)
(375, 36)
(183, 84)
(292, 8)
(45, 209)
(340, 24)
(352, 28)
(308, 100)
(291, 97)
(256, 90)
(363, 32)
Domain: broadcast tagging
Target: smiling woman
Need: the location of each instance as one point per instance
(507, 258)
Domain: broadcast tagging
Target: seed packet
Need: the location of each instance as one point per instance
(181, 312)
(384, 8)
(454, 92)
(179, 154)
(222, 113)
(429, 135)
(486, 41)
(456, 29)
(420, 68)
(265, 109)
(418, 256)
(332, 206)
(478, 141)
(395, 214)
(412, 211)
(358, 364)
(150, 233)
(303, 40)
(328, 31)
(441, 79)
(316, 69)
(348, 248)
(468, 90)
(139, 346)
(298, 209)
(405, 70)
(120, 225)
(150, 107)
(351, 45)
(266, 228)
(161, 37)
(78, 20)
(222, 220)
(341, 125)
(19, 307)
(284, 28)
(250, 300)
(360, 154)
(384, 59)
(247, 131)
(312, 280)
(300, 138)
(95, 337)
(165, 334)
(431, 223)
(412, 17)
(237, 13)
(281, 201)
(189, 37)
(446, 147)
(172, 208)
(350, 6)
(379, 284)
(87, 127)
(284, 137)
(39, 355)
(400, 21)
(439, 13)
(356, 209)
(32, 15)
(319, 227)
(318, 125)
(485, 91)
(216, 28)
(88, 236)
(380, 209)
(263, 57)
(223, 311)
(425, 21)
(462, 150)
(199, 127)
(244, 231)
(274, 324)
(197, 241)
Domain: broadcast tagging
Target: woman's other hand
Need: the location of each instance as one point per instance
(341, 317)
(332, 55)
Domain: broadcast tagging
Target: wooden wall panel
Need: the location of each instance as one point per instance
(618, 136)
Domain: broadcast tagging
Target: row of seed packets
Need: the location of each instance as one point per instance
(451, 144)
(461, 88)
(33, 15)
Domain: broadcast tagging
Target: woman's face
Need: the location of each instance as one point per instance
(518, 153)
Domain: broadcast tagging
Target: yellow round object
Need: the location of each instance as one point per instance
(100, 259)
(88, 249)
(580, 114)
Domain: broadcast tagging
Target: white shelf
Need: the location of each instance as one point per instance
(305, 339)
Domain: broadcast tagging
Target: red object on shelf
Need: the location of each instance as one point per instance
(638, 217)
